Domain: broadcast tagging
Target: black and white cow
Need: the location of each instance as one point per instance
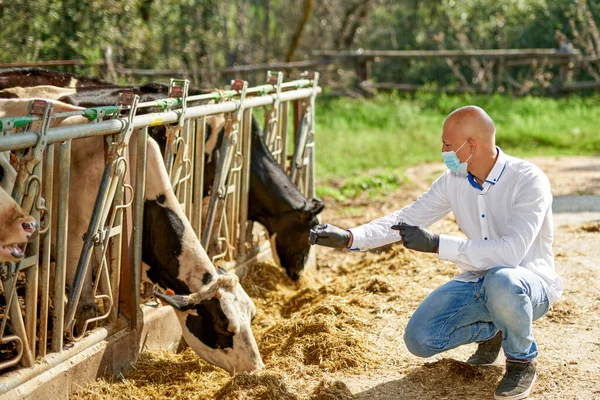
(213, 309)
(276, 203)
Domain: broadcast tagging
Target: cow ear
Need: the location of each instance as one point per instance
(316, 206)
(182, 303)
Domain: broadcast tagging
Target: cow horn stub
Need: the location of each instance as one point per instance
(182, 303)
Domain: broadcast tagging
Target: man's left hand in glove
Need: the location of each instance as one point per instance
(418, 239)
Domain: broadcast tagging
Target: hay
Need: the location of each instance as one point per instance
(260, 386)
(328, 390)
(160, 375)
(590, 227)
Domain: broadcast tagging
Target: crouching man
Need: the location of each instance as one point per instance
(508, 280)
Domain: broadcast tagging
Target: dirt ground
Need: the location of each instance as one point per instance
(337, 334)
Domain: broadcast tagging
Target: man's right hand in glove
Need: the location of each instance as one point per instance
(330, 236)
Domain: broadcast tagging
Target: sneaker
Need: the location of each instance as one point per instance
(487, 352)
(517, 381)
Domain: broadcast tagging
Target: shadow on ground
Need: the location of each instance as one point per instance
(444, 379)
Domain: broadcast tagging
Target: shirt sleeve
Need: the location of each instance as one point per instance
(532, 201)
(430, 207)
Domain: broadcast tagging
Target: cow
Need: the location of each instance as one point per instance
(213, 309)
(26, 77)
(16, 227)
(43, 91)
(277, 204)
(274, 200)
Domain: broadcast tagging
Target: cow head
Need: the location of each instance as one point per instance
(290, 237)
(212, 308)
(16, 227)
(216, 323)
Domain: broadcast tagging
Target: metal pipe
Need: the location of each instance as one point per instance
(245, 181)
(61, 246)
(16, 318)
(31, 293)
(198, 190)
(46, 253)
(138, 213)
(25, 140)
(283, 126)
(86, 250)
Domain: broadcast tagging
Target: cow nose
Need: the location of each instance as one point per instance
(29, 226)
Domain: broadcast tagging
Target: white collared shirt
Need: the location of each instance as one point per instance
(507, 221)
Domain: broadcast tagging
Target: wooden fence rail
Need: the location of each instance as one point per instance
(497, 71)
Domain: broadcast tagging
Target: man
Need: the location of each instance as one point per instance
(503, 205)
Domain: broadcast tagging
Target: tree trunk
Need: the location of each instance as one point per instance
(289, 56)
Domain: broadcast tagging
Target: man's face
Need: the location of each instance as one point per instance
(456, 143)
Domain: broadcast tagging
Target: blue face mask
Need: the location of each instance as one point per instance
(453, 163)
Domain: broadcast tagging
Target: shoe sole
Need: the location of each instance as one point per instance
(523, 395)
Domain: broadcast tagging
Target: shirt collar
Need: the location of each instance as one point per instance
(498, 169)
(494, 175)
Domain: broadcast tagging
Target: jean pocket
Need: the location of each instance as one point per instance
(540, 309)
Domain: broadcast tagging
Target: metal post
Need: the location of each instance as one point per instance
(199, 175)
(138, 216)
(283, 126)
(61, 246)
(244, 182)
(47, 241)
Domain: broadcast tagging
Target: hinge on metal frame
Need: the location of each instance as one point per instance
(176, 90)
(129, 100)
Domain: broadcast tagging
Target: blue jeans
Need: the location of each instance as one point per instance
(457, 313)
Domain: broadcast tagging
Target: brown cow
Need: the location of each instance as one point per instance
(16, 227)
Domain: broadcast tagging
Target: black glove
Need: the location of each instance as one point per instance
(418, 239)
(330, 236)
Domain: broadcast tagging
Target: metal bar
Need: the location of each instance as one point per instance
(219, 192)
(299, 148)
(188, 164)
(31, 293)
(244, 182)
(86, 250)
(283, 127)
(61, 246)
(200, 138)
(116, 244)
(46, 253)
(16, 317)
(28, 139)
(138, 215)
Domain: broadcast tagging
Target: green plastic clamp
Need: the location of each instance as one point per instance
(15, 122)
(164, 103)
(92, 113)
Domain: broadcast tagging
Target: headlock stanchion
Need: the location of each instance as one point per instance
(110, 194)
(37, 322)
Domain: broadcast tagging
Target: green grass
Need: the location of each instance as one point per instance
(393, 132)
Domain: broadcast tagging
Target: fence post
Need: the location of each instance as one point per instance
(363, 76)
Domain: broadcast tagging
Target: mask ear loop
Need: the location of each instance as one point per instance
(461, 146)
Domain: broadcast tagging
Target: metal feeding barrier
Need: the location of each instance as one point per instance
(35, 318)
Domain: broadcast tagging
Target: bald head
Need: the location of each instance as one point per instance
(470, 133)
(469, 122)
